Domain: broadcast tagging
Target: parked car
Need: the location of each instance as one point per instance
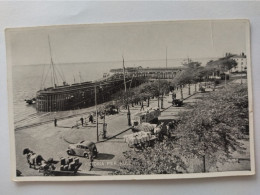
(111, 109)
(83, 148)
(177, 102)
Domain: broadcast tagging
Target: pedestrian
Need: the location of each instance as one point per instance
(82, 121)
(104, 130)
(91, 158)
(142, 106)
(55, 122)
(174, 96)
(91, 118)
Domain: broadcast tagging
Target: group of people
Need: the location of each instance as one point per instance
(91, 120)
(82, 121)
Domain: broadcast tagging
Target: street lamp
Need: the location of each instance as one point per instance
(96, 110)
(159, 90)
(128, 109)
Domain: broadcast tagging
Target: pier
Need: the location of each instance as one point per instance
(81, 95)
(150, 73)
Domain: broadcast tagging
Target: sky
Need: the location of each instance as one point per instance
(134, 41)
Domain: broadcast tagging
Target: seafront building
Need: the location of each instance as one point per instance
(241, 63)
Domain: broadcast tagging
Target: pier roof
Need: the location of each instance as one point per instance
(148, 69)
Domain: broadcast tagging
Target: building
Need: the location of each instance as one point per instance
(241, 63)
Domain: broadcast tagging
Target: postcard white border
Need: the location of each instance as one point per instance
(129, 177)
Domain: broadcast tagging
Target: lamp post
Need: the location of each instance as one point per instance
(159, 90)
(96, 110)
(225, 77)
(128, 109)
(241, 81)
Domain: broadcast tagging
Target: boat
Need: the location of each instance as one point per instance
(30, 101)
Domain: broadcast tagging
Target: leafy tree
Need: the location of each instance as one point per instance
(211, 129)
(182, 78)
(159, 88)
(119, 97)
(222, 64)
(161, 159)
(188, 76)
(146, 92)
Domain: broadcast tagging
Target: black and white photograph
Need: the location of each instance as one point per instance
(124, 101)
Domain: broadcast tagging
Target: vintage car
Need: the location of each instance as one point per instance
(111, 109)
(177, 102)
(83, 148)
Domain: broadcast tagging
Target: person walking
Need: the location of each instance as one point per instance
(104, 130)
(173, 95)
(142, 106)
(91, 158)
(91, 118)
(82, 121)
(55, 122)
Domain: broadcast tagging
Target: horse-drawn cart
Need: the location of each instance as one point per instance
(140, 140)
(50, 172)
(66, 167)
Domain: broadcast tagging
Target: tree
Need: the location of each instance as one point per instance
(120, 98)
(154, 90)
(211, 129)
(222, 64)
(159, 88)
(182, 78)
(145, 92)
(161, 159)
(188, 76)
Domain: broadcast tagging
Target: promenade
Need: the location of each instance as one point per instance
(50, 141)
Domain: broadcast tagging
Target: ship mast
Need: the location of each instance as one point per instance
(53, 73)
